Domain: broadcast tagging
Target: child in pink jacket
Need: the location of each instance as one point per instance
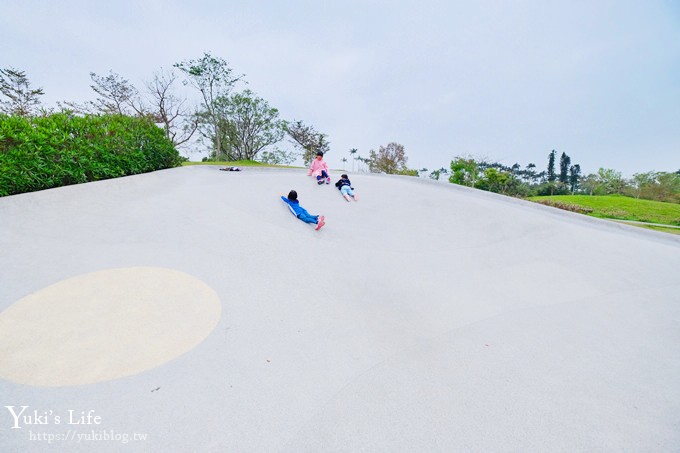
(319, 169)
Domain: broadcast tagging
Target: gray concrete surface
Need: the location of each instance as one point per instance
(425, 317)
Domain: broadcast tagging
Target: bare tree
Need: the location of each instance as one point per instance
(23, 100)
(389, 159)
(79, 109)
(307, 139)
(116, 95)
(179, 121)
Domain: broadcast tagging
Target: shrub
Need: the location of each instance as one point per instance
(61, 149)
(406, 172)
(566, 206)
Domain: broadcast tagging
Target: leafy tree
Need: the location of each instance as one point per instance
(551, 166)
(641, 182)
(590, 184)
(551, 172)
(574, 176)
(178, 120)
(23, 100)
(565, 163)
(213, 77)
(658, 186)
(611, 181)
(307, 139)
(668, 187)
(464, 171)
(276, 157)
(388, 159)
(217, 136)
(500, 181)
(493, 180)
(250, 123)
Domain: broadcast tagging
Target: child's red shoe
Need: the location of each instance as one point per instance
(320, 223)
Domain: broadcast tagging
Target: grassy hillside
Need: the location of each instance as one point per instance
(618, 207)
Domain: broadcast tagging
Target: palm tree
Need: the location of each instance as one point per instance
(344, 159)
(360, 159)
(531, 173)
(352, 152)
(436, 174)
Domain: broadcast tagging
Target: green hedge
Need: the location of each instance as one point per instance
(61, 149)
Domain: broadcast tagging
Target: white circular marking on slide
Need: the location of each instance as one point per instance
(104, 325)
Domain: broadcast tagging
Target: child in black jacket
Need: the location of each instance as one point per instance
(346, 189)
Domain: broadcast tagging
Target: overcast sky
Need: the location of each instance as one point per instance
(506, 80)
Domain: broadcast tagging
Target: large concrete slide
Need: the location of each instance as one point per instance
(188, 310)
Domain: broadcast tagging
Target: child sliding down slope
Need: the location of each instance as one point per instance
(300, 212)
(345, 188)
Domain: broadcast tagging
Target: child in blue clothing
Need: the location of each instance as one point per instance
(345, 188)
(300, 212)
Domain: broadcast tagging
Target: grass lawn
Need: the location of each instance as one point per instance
(665, 230)
(622, 208)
